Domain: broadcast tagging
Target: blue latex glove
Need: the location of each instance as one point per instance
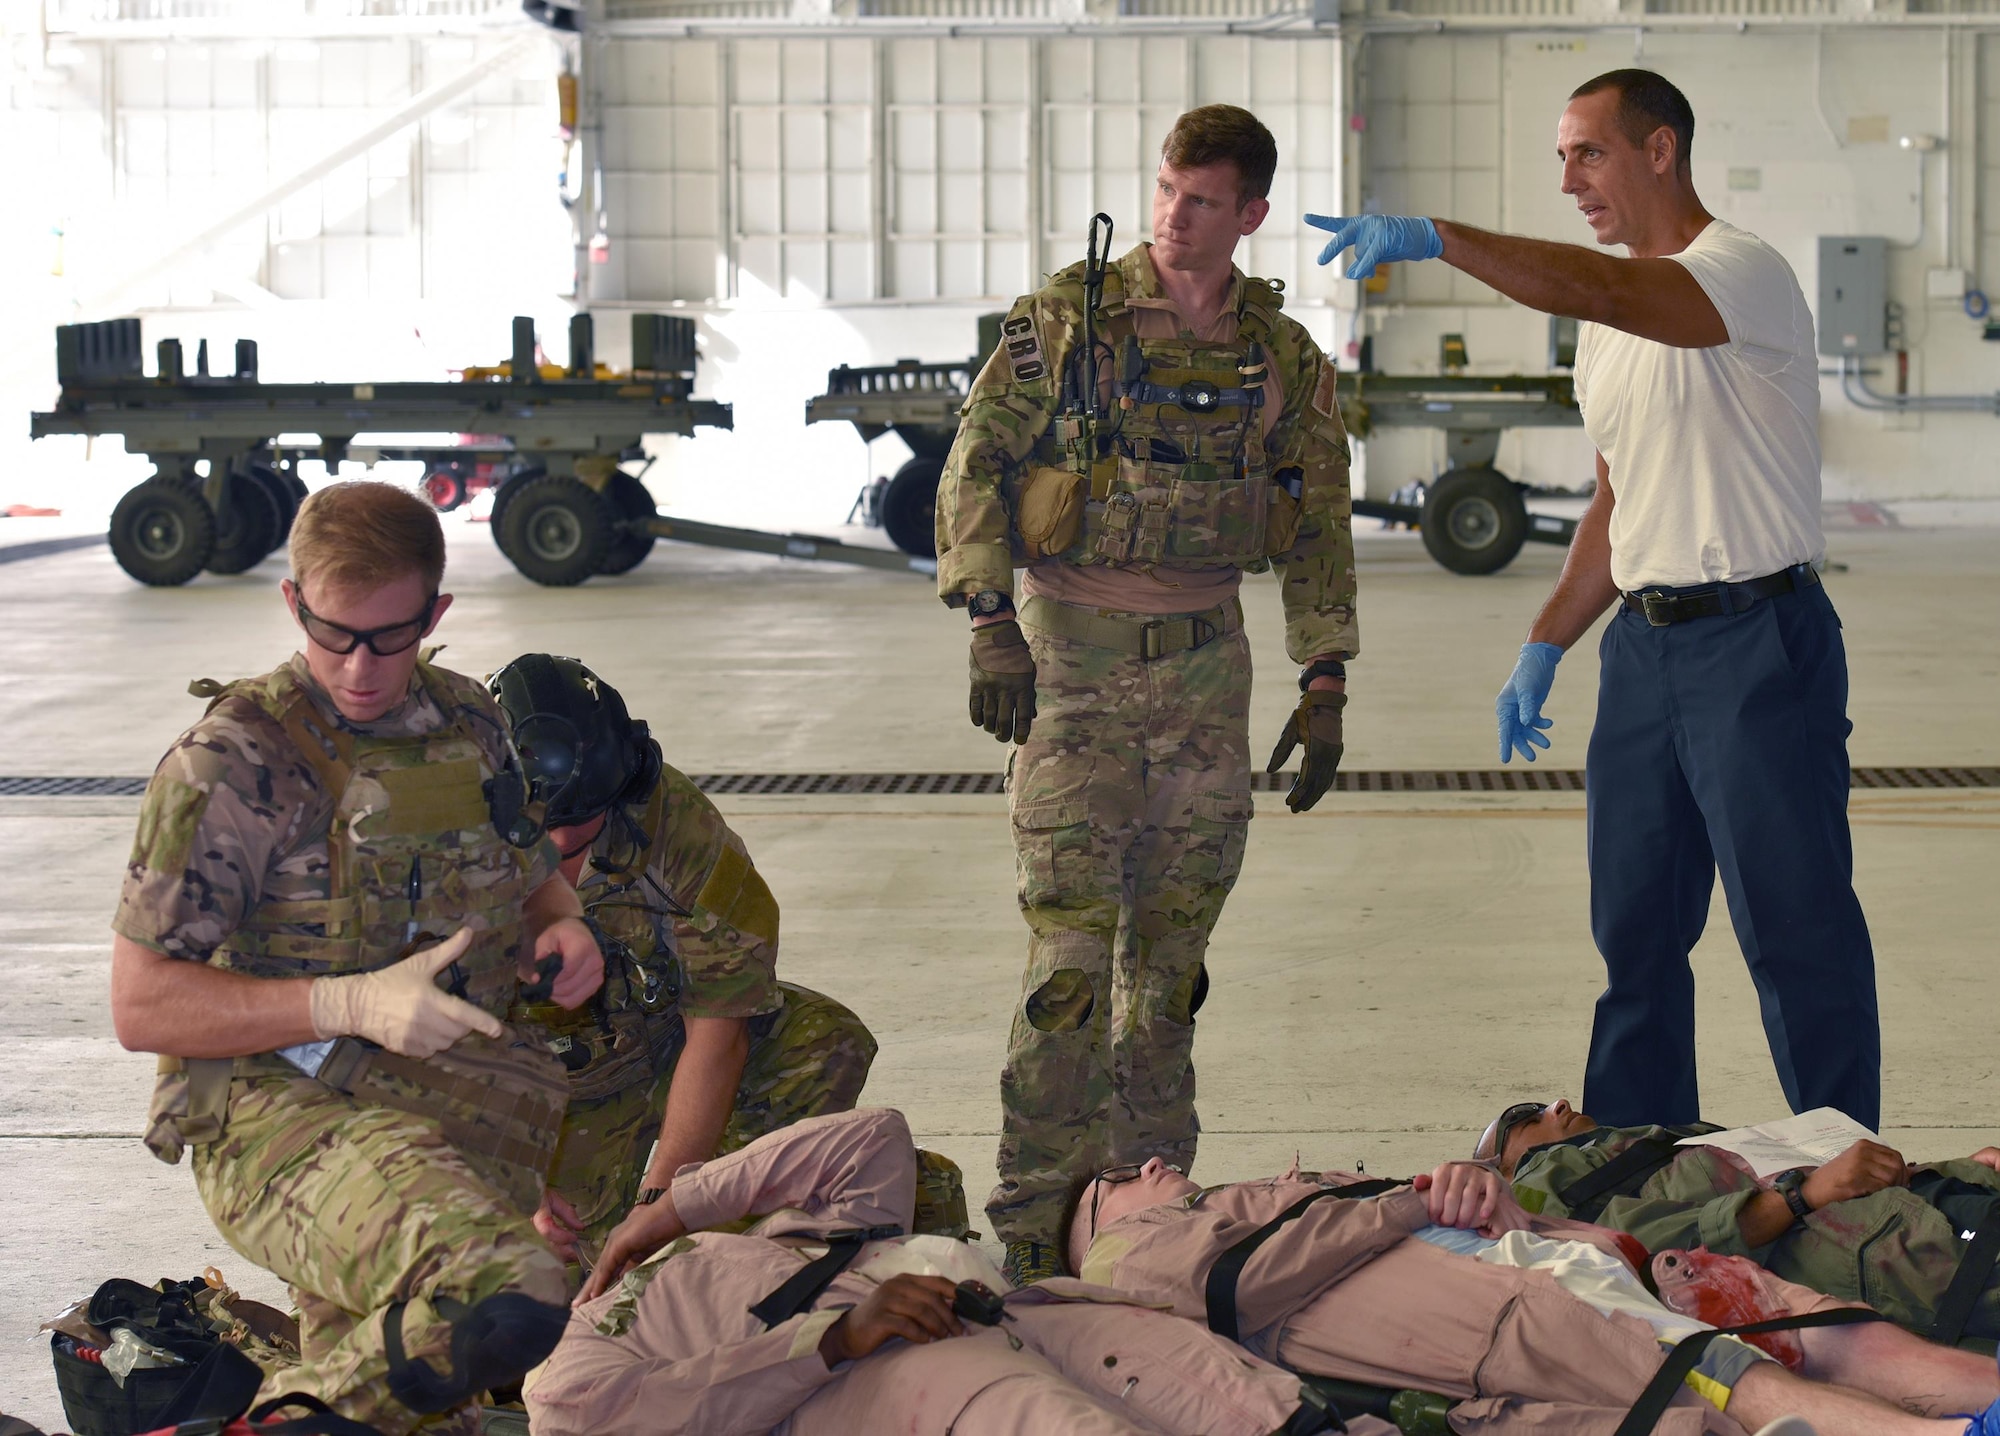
(1519, 705)
(1377, 239)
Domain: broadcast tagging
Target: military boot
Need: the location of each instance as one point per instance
(1028, 1262)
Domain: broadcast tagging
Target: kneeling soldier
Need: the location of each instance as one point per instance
(693, 1041)
(324, 920)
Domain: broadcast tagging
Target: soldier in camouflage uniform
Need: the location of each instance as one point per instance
(1137, 478)
(1876, 1230)
(693, 1040)
(322, 924)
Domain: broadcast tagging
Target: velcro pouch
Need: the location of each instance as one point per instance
(1049, 512)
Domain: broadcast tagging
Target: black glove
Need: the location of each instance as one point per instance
(1003, 681)
(1315, 723)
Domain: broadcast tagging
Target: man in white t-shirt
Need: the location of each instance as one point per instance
(1721, 736)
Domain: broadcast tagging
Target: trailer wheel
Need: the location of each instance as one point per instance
(629, 547)
(161, 532)
(282, 497)
(1474, 520)
(504, 489)
(444, 485)
(556, 529)
(298, 487)
(909, 508)
(254, 527)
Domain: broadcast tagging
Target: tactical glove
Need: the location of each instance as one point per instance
(1316, 724)
(401, 1006)
(1003, 681)
(1519, 706)
(1377, 239)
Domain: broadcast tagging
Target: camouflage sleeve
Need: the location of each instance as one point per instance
(1543, 1173)
(1694, 1202)
(728, 940)
(1317, 576)
(1005, 416)
(224, 806)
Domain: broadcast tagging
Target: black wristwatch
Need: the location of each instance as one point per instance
(1792, 1186)
(1322, 668)
(987, 602)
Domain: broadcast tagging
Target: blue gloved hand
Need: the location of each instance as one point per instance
(1519, 705)
(1377, 239)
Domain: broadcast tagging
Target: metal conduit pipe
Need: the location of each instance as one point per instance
(1854, 384)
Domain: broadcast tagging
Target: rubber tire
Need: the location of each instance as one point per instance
(281, 495)
(1474, 520)
(444, 486)
(556, 530)
(503, 495)
(298, 488)
(629, 500)
(252, 531)
(162, 532)
(909, 509)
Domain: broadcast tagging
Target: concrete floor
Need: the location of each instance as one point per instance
(1389, 972)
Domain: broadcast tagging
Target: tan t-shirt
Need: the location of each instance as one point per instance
(1130, 588)
(196, 873)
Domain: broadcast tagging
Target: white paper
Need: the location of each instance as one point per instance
(1811, 1139)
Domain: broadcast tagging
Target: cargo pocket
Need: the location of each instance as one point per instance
(1052, 846)
(1217, 832)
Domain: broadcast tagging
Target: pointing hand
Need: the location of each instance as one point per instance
(1377, 239)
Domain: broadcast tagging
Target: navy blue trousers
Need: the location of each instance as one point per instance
(1721, 744)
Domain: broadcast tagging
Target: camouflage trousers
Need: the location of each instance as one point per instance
(1897, 1249)
(1130, 804)
(359, 1207)
(808, 1058)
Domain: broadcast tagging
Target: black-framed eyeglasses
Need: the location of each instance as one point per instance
(391, 638)
(1113, 1177)
(1515, 1116)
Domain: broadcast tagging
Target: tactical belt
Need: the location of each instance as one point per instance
(1967, 1281)
(1662, 606)
(1145, 639)
(804, 1285)
(1659, 1393)
(1220, 1291)
(1622, 1176)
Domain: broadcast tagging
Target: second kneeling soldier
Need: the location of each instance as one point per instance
(693, 1040)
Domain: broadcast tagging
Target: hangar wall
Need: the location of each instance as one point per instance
(857, 198)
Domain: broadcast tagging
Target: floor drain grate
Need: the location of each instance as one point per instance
(822, 785)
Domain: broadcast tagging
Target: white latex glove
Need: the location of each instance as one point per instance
(401, 1006)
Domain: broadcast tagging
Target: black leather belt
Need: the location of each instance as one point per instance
(1662, 606)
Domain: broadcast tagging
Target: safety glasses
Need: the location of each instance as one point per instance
(382, 642)
(1513, 1117)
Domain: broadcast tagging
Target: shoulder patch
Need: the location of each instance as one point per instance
(1326, 393)
(168, 822)
(1021, 342)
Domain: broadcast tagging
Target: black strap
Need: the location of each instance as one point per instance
(1659, 1393)
(322, 1420)
(804, 1285)
(1968, 1281)
(219, 1388)
(1622, 1176)
(1220, 1291)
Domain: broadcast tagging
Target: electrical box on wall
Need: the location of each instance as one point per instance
(1853, 294)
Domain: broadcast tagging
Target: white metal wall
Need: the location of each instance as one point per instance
(917, 169)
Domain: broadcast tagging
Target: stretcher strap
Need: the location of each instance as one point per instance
(1220, 1291)
(1622, 1176)
(804, 1285)
(1659, 1393)
(1974, 1268)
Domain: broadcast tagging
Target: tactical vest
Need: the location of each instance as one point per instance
(1181, 476)
(412, 857)
(412, 852)
(625, 1036)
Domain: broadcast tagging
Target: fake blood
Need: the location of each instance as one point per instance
(1726, 1291)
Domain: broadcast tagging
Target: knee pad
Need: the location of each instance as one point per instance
(494, 1342)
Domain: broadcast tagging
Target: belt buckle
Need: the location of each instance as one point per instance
(1657, 607)
(1151, 644)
